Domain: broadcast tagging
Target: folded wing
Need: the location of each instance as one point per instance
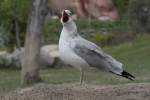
(95, 57)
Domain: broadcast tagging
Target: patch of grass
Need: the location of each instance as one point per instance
(9, 80)
(134, 55)
(60, 75)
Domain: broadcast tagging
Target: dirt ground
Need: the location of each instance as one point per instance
(136, 91)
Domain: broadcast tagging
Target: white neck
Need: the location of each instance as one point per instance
(69, 29)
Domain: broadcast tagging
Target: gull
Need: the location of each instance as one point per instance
(83, 54)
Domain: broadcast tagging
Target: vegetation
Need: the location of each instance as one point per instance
(122, 6)
(13, 11)
(18, 10)
(132, 54)
(97, 31)
(139, 12)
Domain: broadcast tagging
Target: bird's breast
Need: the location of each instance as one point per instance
(68, 56)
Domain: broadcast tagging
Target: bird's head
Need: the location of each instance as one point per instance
(67, 22)
(66, 16)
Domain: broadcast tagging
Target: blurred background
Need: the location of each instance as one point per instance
(120, 27)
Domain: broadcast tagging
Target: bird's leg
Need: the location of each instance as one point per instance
(81, 76)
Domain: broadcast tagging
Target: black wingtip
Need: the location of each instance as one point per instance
(127, 75)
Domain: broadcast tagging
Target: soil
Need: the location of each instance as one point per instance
(134, 91)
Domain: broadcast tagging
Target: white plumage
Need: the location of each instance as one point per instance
(83, 54)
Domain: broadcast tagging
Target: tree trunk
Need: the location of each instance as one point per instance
(30, 63)
(17, 35)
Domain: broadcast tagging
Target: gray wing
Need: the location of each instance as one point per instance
(95, 57)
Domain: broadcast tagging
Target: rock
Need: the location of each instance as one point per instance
(98, 9)
(104, 18)
(4, 60)
(3, 54)
(48, 55)
(51, 49)
(16, 57)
